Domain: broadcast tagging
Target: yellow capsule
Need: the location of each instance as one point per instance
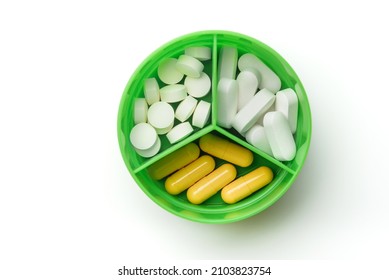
(174, 161)
(223, 149)
(247, 184)
(211, 184)
(190, 174)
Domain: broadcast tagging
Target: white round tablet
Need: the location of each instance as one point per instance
(185, 108)
(151, 151)
(256, 136)
(140, 110)
(143, 136)
(227, 101)
(189, 66)
(201, 114)
(151, 90)
(179, 132)
(198, 87)
(269, 79)
(201, 53)
(168, 72)
(253, 110)
(173, 93)
(248, 85)
(161, 117)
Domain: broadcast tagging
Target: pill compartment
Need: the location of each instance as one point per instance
(288, 79)
(135, 87)
(214, 210)
(214, 206)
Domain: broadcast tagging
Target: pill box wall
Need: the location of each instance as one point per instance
(66, 196)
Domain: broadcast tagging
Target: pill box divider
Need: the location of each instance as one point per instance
(214, 79)
(256, 151)
(175, 147)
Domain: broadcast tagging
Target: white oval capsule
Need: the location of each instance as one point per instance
(287, 103)
(228, 60)
(269, 79)
(227, 102)
(248, 84)
(272, 108)
(256, 73)
(253, 110)
(256, 136)
(168, 72)
(279, 136)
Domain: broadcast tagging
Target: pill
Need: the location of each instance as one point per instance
(189, 66)
(151, 151)
(226, 150)
(198, 87)
(173, 93)
(228, 60)
(211, 184)
(269, 79)
(179, 132)
(287, 103)
(256, 73)
(201, 114)
(227, 102)
(168, 72)
(246, 185)
(161, 117)
(143, 136)
(151, 91)
(248, 85)
(272, 108)
(280, 136)
(140, 110)
(186, 108)
(190, 174)
(253, 110)
(174, 161)
(256, 136)
(201, 53)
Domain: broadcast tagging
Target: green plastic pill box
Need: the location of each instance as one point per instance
(214, 210)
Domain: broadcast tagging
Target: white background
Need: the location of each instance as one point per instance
(68, 205)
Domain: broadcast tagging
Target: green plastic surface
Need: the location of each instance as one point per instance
(214, 210)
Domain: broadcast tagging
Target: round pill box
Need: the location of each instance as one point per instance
(213, 210)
